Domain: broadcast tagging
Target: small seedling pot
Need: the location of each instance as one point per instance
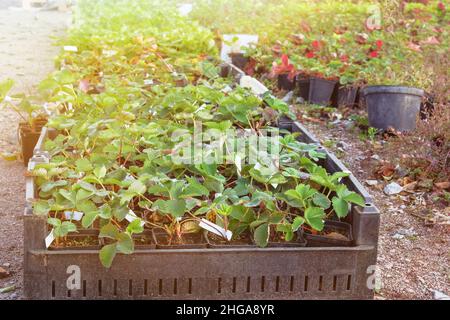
(28, 137)
(300, 241)
(321, 91)
(284, 83)
(225, 70)
(144, 240)
(188, 241)
(239, 60)
(79, 241)
(216, 242)
(393, 106)
(323, 240)
(347, 95)
(302, 85)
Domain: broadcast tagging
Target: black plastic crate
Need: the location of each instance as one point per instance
(207, 273)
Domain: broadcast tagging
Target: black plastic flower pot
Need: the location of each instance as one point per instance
(302, 85)
(239, 60)
(216, 242)
(334, 234)
(275, 241)
(299, 241)
(187, 241)
(284, 83)
(28, 139)
(393, 106)
(321, 91)
(86, 239)
(347, 95)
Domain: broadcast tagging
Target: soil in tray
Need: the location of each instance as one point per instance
(92, 241)
(76, 242)
(242, 241)
(186, 241)
(334, 233)
(277, 239)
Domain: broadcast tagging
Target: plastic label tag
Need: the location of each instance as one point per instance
(214, 228)
(70, 48)
(254, 85)
(131, 216)
(109, 53)
(185, 8)
(49, 239)
(73, 215)
(238, 41)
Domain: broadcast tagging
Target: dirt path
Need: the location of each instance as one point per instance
(414, 259)
(26, 55)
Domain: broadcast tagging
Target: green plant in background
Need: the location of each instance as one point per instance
(27, 110)
(371, 133)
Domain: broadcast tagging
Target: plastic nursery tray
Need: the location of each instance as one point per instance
(206, 273)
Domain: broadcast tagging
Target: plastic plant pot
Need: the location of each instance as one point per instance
(217, 242)
(300, 241)
(326, 240)
(393, 106)
(86, 239)
(284, 83)
(239, 60)
(302, 85)
(187, 241)
(321, 91)
(225, 70)
(28, 139)
(144, 240)
(347, 96)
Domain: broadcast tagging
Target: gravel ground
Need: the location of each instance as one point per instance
(414, 259)
(26, 55)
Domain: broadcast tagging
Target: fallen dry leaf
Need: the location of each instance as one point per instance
(386, 171)
(431, 40)
(414, 47)
(443, 185)
(410, 186)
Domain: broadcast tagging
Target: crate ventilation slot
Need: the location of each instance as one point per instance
(167, 287)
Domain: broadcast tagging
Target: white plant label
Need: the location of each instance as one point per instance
(109, 53)
(49, 239)
(214, 228)
(185, 8)
(233, 43)
(254, 85)
(131, 216)
(70, 48)
(73, 215)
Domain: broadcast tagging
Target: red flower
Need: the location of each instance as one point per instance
(344, 58)
(379, 44)
(316, 44)
(310, 54)
(373, 54)
(441, 6)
